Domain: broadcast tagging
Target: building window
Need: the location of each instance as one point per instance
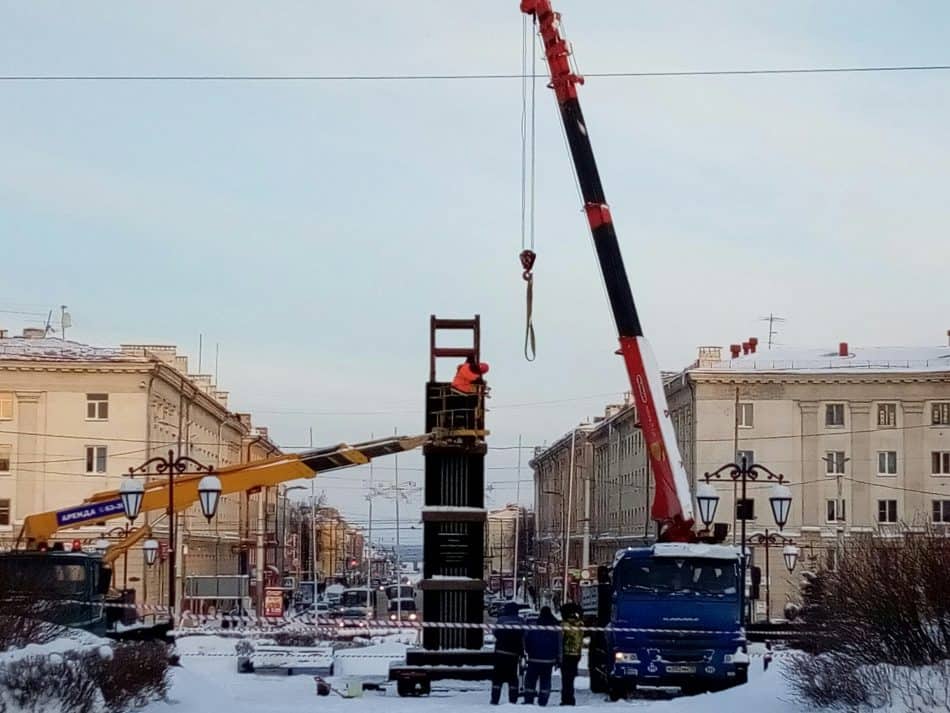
(97, 407)
(941, 511)
(887, 511)
(887, 415)
(748, 455)
(4, 512)
(940, 462)
(6, 455)
(836, 511)
(745, 416)
(95, 459)
(834, 415)
(834, 462)
(6, 406)
(745, 509)
(887, 462)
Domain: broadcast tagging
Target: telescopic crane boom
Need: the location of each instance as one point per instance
(672, 505)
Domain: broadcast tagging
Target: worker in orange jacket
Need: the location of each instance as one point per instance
(468, 376)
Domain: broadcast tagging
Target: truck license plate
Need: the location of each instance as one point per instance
(681, 669)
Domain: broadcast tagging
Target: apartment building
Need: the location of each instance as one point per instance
(74, 418)
(861, 435)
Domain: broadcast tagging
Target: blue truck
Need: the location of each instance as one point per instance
(672, 614)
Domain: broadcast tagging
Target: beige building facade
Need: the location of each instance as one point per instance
(862, 436)
(74, 419)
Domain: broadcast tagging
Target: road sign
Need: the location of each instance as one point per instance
(274, 602)
(589, 595)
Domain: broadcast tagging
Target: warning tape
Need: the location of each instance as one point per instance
(309, 624)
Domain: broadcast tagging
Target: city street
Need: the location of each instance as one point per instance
(208, 681)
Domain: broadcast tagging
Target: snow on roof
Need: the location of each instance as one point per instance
(56, 349)
(859, 360)
(688, 549)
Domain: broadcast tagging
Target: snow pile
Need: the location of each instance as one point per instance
(53, 349)
(77, 672)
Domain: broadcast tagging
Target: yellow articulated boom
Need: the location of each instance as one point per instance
(107, 505)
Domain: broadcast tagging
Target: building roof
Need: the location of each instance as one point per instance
(818, 361)
(56, 349)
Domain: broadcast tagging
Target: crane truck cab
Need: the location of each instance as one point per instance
(65, 588)
(675, 619)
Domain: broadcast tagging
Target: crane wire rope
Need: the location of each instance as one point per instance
(527, 255)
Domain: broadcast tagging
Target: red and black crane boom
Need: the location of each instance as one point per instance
(672, 504)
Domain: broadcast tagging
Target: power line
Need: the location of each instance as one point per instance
(455, 77)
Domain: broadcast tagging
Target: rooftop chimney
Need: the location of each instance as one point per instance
(746, 347)
(3, 333)
(753, 343)
(735, 349)
(843, 349)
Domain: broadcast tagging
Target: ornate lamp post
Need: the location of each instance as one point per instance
(209, 492)
(708, 500)
(790, 553)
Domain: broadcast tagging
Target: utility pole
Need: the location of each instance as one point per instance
(735, 455)
(369, 537)
(517, 519)
(585, 553)
(567, 519)
(398, 550)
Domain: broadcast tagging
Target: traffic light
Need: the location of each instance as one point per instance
(354, 562)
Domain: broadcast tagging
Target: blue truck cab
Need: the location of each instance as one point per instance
(675, 619)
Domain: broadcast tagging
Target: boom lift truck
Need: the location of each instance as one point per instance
(76, 585)
(675, 606)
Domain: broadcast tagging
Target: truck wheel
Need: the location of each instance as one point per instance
(616, 691)
(403, 688)
(742, 676)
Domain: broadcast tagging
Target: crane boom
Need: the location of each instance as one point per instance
(107, 505)
(672, 505)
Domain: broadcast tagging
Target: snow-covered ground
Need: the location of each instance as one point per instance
(208, 681)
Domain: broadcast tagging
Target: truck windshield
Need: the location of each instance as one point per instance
(356, 598)
(705, 577)
(43, 573)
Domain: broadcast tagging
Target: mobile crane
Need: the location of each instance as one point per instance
(75, 586)
(677, 602)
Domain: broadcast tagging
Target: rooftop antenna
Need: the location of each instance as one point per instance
(49, 326)
(200, 344)
(772, 319)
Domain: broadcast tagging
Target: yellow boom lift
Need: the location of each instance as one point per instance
(37, 565)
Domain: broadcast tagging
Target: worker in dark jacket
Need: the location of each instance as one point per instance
(571, 649)
(509, 648)
(543, 649)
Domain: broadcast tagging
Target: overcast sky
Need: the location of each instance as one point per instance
(310, 228)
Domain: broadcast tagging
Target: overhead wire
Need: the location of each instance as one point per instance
(462, 76)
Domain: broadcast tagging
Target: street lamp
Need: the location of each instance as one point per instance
(743, 472)
(131, 492)
(781, 501)
(707, 500)
(208, 497)
(209, 492)
(790, 552)
(150, 547)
